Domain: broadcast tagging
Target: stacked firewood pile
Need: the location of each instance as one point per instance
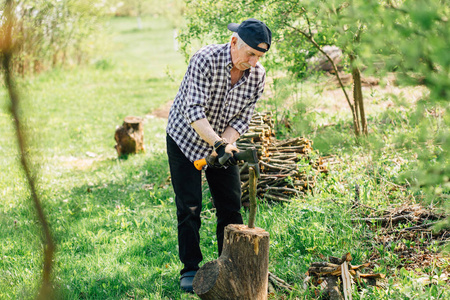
(281, 161)
(336, 277)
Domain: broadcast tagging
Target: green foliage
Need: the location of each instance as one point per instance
(115, 220)
(50, 34)
(409, 38)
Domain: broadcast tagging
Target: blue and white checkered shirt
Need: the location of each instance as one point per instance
(206, 92)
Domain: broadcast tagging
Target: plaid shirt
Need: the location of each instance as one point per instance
(206, 92)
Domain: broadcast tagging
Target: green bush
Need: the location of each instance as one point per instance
(51, 34)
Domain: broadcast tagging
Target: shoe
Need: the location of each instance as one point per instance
(186, 281)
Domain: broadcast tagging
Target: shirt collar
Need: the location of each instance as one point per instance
(228, 61)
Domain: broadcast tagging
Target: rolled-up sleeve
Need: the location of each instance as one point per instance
(198, 89)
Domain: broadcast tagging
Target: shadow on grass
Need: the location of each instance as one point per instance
(116, 236)
(119, 285)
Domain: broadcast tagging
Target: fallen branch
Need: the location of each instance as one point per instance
(418, 227)
(279, 283)
(385, 220)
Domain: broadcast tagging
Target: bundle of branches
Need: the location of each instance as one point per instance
(336, 277)
(281, 161)
(410, 232)
(415, 214)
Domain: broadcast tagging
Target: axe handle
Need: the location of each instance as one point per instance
(199, 164)
(253, 183)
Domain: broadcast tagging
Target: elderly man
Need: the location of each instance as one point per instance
(212, 108)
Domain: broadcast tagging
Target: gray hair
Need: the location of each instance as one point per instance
(240, 42)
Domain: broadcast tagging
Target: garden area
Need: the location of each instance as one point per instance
(371, 190)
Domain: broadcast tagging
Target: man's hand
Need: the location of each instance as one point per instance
(213, 162)
(221, 147)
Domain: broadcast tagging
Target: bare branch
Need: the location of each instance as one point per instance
(7, 50)
(311, 39)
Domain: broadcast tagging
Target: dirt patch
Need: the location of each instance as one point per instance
(375, 97)
(163, 111)
(78, 163)
(328, 98)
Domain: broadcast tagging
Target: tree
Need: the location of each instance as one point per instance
(301, 29)
(407, 37)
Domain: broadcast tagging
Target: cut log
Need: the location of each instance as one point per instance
(130, 136)
(241, 272)
(333, 288)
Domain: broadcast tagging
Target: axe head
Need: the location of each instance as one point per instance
(251, 157)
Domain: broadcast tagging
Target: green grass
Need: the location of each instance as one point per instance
(114, 220)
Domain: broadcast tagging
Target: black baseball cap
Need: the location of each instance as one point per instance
(253, 32)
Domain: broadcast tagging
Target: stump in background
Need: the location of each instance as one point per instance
(241, 272)
(130, 136)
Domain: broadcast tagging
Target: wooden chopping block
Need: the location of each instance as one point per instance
(241, 272)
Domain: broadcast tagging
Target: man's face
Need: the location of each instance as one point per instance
(246, 56)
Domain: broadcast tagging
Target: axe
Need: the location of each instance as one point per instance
(250, 156)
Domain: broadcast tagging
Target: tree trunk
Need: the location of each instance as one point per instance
(358, 97)
(130, 136)
(241, 272)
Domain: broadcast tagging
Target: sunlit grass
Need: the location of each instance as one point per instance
(114, 220)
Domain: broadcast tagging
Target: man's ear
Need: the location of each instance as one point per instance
(234, 40)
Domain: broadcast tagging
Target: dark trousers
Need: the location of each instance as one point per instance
(225, 188)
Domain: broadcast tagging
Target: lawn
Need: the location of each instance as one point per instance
(114, 220)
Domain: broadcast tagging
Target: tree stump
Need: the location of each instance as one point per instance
(130, 136)
(321, 63)
(241, 272)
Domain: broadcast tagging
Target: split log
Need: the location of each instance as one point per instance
(333, 288)
(277, 198)
(130, 136)
(337, 276)
(241, 272)
(346, 281)
(378, 275)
